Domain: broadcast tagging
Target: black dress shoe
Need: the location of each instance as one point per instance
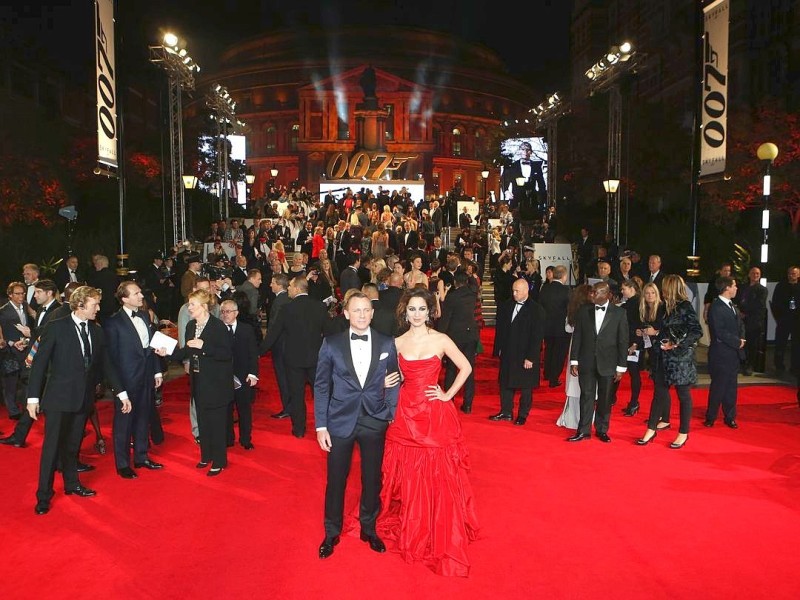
(214, 471)
(501, 417)
(579, 437)
(375, 543)
(42, 508)
(201, 465)
(708, 423)
(299, 435)
(326, 547)
(127, 473)
(555, 384)
(84, 468)
(631, 411)
(280, 415)
(248, 446)
(520, 420)
(11, 441)
(81, 491)
(732, 424)
(148, 464)
(466, 409)
(603, 437)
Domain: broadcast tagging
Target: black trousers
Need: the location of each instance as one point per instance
(243, 401)
(783, 329)
(723, 389)
(636, 384)
(156, 429)
(280, 375)
(297, 378)
(468, 349)
(63, 433)
(660, 408)
(211, 423)
(370, 433)
(592, 383)
(754, 347)
(136, 425)
(555, 355)
(507, 401)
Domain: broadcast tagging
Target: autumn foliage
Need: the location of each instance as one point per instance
(30, 191)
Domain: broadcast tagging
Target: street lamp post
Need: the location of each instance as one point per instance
(484, 177)
(249, 180)
(767, 153)
(273, 172)
(189, 183)
(612, 201)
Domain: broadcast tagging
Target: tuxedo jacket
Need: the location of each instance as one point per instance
(726, 331)
(212, 386)
(43, 316)
(554, 298)
(458, 315)
(300, 324)
(58, 376)
(535, 181)
(136, 366)
(349, 279)
(339, 398)
(606, 349)
(517, 341)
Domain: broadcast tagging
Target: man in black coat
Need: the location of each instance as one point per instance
(106, 280)
(383, 319)
(599, 358)
(458, 322)
(554, 298)
(71, 353)
(301, 324)
(279, 286)
(725, 351)
(752, 300)
(245, 369)
(533, 191)
(128, 334)
(67, 272)
(349, 279)
(585, 254)
(784, 305)
(518, 343)
(390, 297)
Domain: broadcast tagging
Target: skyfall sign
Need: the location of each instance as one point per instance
(714, 108)
(367, 165)
(106, 83)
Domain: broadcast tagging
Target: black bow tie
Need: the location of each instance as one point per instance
(599, 307)
(525, 162)
(363, 338)
(136, 313)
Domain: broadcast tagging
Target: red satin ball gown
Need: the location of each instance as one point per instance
(428, 509)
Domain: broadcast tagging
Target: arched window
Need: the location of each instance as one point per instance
(294, 135)
(456, 146)
(271, 139)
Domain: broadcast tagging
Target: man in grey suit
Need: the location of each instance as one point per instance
(250, 288)
(599, 357)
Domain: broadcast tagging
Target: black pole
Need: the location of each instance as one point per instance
(122, 257)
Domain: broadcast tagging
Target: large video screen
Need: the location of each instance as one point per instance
(516, 149)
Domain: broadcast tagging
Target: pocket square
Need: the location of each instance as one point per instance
(383, 355)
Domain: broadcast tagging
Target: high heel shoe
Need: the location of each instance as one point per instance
(644, 442)
(630, 411)
(675, 446)
(100, 446)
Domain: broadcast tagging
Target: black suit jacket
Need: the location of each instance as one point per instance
(390, 297)
(61, 276)
(58, 377)
(245, 352)
(276, 305)
(107, 281)
(606, 349)
(37, 324)
(517, 341)
(301, 324)
(136, 365)
(726, 331)
(9, 317)
(554, 298)
(349, 279)
(212, 386)
(458, 315)
(535, 183)
(383, 319)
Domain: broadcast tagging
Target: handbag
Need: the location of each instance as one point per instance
(8, 363)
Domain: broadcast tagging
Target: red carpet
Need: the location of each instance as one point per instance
(718, 519)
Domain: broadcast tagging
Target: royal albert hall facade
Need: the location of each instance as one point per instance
(301, 96)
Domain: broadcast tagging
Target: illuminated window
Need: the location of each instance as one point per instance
(272, 139)
(294, 135)
(456, 142)
(389, 121)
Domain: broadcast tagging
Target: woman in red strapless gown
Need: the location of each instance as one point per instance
(428, 509)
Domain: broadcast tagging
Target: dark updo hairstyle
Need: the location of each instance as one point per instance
(416, 292)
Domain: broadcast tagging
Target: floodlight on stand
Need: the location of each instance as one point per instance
(170, 39)
(625, 48)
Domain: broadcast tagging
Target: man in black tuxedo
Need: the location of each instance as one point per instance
(245, 369)
(14, 323)
(352, 404)
(301, 324)
(349, 279)
(128, 333)
(239, 274)
(437, 251)
(157, 288)
(279, 286)
(752, 300)
(725, 352)
(71, 353)
(458, 322)
(341, 246)
(45, 294)
(30, 276)
(305, 238)
(67, 272)
(518, 344)
(598, 359)
(409, 241)
(655, 274)
(554, 298)
(533, 191)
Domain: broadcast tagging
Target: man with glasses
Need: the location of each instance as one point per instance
(245, 370)
(15, 321)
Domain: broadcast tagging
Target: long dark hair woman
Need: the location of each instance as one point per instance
(674, 360)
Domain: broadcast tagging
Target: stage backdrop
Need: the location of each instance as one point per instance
(553, 255)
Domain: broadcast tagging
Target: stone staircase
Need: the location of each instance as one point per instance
(488, 307)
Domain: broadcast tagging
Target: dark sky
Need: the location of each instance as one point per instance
(532, 37)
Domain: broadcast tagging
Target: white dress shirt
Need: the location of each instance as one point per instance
(361, 352)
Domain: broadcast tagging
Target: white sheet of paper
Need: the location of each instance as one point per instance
(634, 357)
(163, 341)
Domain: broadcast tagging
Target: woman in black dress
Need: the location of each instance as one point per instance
(209, 350)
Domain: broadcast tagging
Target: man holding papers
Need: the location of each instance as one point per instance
(129, 333)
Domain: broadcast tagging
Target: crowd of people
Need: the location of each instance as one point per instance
(344, 305)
